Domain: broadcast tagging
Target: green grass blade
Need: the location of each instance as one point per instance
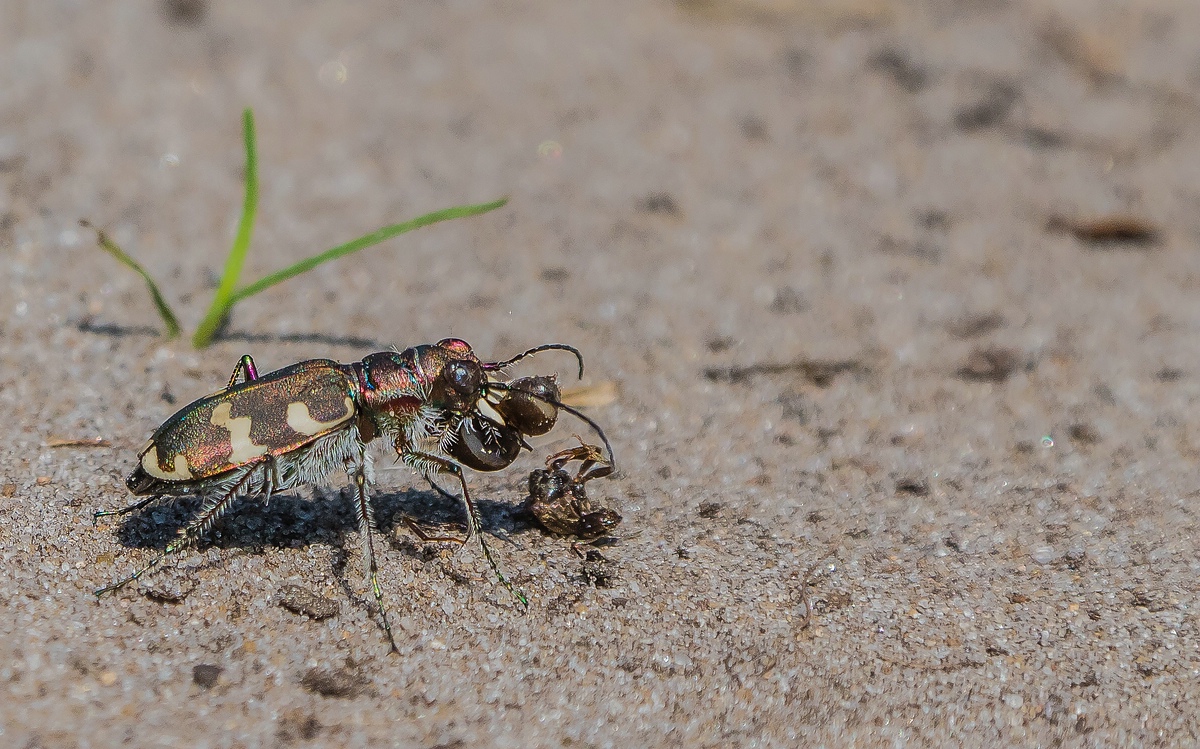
(224, 297)
(164, 309)
(363, 242)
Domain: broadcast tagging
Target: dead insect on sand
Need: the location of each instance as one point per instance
(559, 502)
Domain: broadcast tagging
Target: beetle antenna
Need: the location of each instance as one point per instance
(493, 366)
(612, 458)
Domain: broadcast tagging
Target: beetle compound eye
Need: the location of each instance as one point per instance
(464, 376)
(528, 405)
(484, 446)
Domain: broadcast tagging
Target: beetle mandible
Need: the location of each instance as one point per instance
(438, 406)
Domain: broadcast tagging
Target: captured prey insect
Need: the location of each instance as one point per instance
(560, 503)
(438, 406)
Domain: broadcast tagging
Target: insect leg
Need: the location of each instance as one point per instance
(428, 538)
(245, 371)
(420, 532)
(125, 510)
(212, 510)
(592, 463)
(438, 488)
(366, 524)
(271, 478)
(428, 463)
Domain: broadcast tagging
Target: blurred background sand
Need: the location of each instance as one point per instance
(898, 297)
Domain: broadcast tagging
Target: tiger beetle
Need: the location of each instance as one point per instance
(438, 406)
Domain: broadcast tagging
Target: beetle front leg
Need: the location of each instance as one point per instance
(245, 370)
(358, 467)
(427, 464)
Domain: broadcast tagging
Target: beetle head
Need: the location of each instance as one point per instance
(451, 372)
(490, 417)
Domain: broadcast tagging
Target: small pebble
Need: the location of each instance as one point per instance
(206, 674)
(299, 600)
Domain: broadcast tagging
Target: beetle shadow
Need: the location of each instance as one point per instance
(293, 522)
(436, 514)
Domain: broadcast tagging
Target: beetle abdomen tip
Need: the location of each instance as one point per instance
(140, 482)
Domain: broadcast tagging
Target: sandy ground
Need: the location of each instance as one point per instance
(898, 298)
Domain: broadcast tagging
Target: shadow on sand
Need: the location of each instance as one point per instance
(115, 330)
(289, 521)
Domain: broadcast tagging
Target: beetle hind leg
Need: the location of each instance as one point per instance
(272, 480)
(125, 510)
(212, 510)
(243, 372)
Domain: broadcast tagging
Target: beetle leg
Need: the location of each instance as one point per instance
(427, 464)
(270, 478)
(421, 534)
(125, 510)
(427, 537)
(438, 488)
(358, 468)
(245, 371)
(212, 510)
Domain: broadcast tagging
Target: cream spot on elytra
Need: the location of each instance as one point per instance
(243, 450)
(179, 466)
(299, 418)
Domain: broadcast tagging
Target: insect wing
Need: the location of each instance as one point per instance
(275, 414)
